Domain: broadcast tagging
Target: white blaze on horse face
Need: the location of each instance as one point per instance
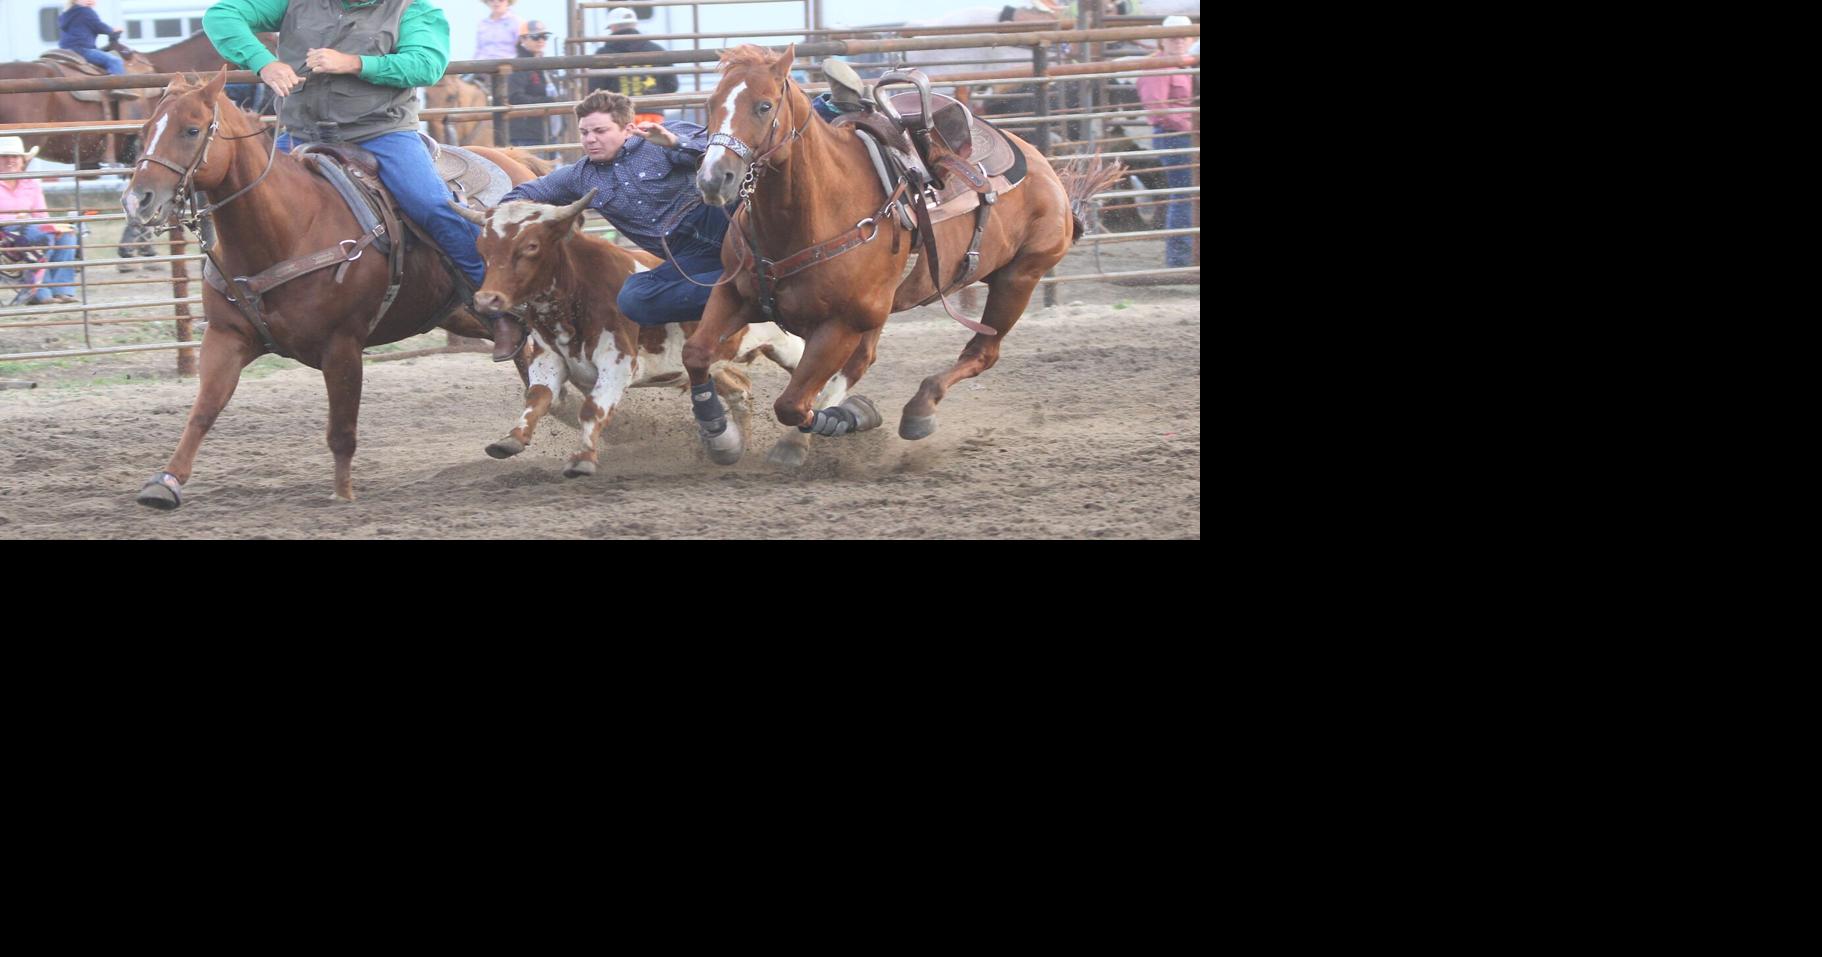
(715, 153)
(157, 132)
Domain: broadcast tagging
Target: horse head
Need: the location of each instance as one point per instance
(176, 158)
(754, 115)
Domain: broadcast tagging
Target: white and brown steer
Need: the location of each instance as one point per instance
(567, 284)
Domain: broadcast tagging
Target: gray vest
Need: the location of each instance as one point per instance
(364, 110)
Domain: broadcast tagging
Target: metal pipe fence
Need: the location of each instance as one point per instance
(1081, 89)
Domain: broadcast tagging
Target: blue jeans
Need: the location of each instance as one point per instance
(65, 251)
(107, 61)
(1178, 214)
(406, 170)
(662, 295)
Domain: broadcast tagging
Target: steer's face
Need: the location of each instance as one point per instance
(521, 245)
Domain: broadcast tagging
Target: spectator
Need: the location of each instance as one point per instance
(24, 199)
(624, 25)
(531, 85)
(79, 26)
(498, 34)
(1170, 131)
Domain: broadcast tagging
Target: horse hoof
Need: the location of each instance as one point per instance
(787, 455)
(157, 496)
(726, 448)
(865, 415)
(914, 427)
(579, 469)
(506, 448)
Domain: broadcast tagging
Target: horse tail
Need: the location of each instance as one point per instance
(1082, 179)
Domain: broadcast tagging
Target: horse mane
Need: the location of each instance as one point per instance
(747, 54)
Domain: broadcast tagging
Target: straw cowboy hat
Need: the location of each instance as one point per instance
(14, 146)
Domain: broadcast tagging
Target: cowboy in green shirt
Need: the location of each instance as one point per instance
(347, 71)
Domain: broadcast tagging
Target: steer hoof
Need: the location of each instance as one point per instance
(916, 427)
(506, 448)
(579, 469)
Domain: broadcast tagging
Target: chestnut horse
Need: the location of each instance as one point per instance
(814, 183)
(453, 91)
(284, 214)
(195, 54)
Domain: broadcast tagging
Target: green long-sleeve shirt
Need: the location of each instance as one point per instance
(421, 57)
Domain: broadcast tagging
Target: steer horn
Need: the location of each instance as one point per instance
(479, 219)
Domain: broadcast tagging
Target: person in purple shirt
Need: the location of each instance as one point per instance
(497, 36)
(79, 26)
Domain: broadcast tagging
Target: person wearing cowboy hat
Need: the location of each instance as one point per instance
(624, 25)
(24, 199)
(1171, 131)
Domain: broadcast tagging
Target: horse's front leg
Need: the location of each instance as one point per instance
(342, 376)
(545, 374)
(224, 355)
(725, 313)
(834, 412)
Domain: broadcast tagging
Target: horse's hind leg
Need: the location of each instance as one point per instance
(1008, 292)
(342, 374)
(223, 356)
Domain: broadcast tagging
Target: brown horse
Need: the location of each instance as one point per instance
(195, 54)
(287, 214)
(454, 91)
(816, 185)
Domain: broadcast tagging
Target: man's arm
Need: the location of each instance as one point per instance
(422, 54)
(231, 25)
(556, 188)
(691, 142)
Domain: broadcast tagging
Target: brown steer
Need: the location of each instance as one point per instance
(567, 283)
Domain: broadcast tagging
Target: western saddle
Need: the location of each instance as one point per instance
(949, 162)
(354, 172)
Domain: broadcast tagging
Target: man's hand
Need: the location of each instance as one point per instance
(280, 77)
(656, 133)
(324, 60)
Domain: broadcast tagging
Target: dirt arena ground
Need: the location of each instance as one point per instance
(1089, 427)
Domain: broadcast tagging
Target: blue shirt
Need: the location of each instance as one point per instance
(79, 26)
(640, 190)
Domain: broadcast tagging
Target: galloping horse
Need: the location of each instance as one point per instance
(812, 184)
(195, 54)
(453, 91)
(322, 318)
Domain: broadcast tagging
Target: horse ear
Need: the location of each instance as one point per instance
(781, 67)
(216, 84)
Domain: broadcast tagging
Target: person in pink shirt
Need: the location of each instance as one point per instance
(24, 199)
(1170, 131)
(497, 37)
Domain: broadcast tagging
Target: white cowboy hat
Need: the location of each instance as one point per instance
(1177, 20)
(1048, 6)
(14, 146)
(619, 15)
